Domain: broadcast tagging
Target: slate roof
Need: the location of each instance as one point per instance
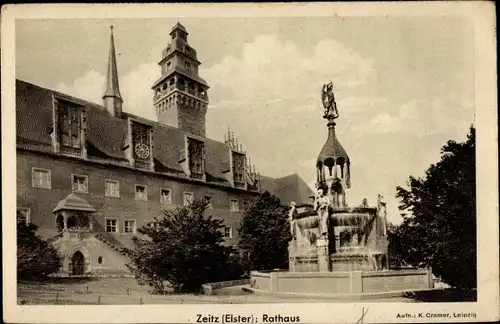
(182, 71)
(106, 134)
(289, 188)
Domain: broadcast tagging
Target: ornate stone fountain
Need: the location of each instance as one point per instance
(337, 249)
(331, 236)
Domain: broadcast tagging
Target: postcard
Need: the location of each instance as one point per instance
(250, 163)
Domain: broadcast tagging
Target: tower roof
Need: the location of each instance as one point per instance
(178, 26)
(112, 86)
(332, 152)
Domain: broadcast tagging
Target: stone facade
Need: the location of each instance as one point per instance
(125, 207)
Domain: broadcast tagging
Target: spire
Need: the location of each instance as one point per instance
(178, 26)
(112, 97)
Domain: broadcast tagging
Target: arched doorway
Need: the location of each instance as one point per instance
(78, 263)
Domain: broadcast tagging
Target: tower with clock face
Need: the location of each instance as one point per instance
(180, 94)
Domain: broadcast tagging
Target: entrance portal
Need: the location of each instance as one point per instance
(78, 263)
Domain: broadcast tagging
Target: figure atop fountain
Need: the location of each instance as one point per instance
(329, 103)
(322, 205)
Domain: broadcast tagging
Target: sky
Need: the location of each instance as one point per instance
(404, 85)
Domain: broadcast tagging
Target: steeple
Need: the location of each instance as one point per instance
(112, 98)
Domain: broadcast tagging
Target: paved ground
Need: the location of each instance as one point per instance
(114, 291)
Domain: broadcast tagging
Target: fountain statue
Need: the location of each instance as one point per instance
(322, 205)
(338, 249)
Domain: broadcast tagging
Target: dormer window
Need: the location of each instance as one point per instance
(238, 169)
(141, 144)
(196, 158)
(70, 125)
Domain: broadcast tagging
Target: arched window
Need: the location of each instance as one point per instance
(83, 220)
(60, 222)
(71, 222)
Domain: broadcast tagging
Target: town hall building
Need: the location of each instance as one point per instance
(89, 175)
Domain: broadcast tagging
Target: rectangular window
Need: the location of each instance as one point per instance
(165, 196)
(196, 156)
(228, 232)
(188, 198)
(235, 206)
(80, 183)
(129, 226)
(112, 188)
(141, 192)
(41, 178)
(111, 225)
(208, 201)
(23, 215)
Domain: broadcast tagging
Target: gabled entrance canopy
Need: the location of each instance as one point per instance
(73, 213)
(73, 202)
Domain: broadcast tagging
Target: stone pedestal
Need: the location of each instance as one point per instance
(291, 256)
(323, 255)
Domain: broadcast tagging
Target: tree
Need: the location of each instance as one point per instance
(439, 229)
(183, 250)
(36, 258)
(264, 234)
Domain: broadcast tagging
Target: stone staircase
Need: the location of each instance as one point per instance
(123, 251)
(99, 236)
(55, 237)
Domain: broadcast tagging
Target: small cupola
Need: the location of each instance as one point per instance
(333, 160)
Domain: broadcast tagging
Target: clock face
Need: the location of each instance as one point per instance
(142, 150)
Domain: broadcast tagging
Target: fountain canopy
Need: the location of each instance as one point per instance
(332, 152)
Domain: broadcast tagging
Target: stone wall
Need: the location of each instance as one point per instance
(43, 201)
(342, 282)
(192, 120)
(93, 251)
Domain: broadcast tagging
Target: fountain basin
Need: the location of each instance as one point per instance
(341, 282)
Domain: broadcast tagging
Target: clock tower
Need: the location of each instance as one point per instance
(180, 95)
